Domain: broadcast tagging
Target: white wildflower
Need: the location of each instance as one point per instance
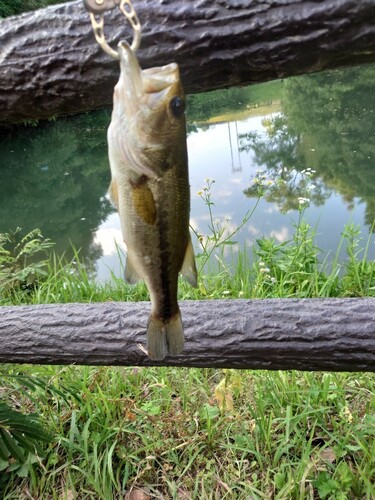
(303, 201)
(264, 270)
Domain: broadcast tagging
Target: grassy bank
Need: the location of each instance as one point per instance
(190, 433)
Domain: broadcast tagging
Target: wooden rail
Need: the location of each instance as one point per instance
(308, 334)
(50, 63)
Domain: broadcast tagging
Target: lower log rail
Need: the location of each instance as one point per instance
(272, 334)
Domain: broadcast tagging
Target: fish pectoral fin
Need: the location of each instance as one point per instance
(165, 337)
(189, 269)
(144, 203)
(131, 274)
(113, 193)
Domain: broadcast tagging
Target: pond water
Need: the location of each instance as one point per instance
(316, 133)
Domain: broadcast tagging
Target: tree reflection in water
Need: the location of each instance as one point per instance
(328, 125)
(55, 177)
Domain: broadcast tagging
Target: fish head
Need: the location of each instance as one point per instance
(163, 103)
(151, 105)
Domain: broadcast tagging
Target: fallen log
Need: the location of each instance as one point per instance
(272, 334)
(50, 63)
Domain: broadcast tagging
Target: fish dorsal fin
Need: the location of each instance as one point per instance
(131, 274)
(189, 270)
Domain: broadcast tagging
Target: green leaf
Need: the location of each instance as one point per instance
(19, 434)
(3, 464)
(326, 485)
(24, 470)
(209, 412)
(12, 446)
(229, 242)
(352, 447)
(4, 454)
(32, 430)
(24, 442)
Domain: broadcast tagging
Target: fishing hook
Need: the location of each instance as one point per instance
(96, 9)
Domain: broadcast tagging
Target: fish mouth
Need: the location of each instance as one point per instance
(150, 85)
(130, 72)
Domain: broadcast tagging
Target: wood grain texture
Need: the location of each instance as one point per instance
(308, 334)
(50, 63)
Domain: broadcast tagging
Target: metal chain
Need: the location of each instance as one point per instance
(96, 9)
(129, 12)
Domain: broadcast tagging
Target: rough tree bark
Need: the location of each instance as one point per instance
(50, 63)
(310, 334)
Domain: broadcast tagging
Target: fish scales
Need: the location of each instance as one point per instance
(150, 188)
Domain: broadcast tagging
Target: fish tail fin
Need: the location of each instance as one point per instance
(165, 337)
(175, 334)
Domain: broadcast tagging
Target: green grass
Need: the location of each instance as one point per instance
(273, 270)
(199, 433)
(167, 431)
(183, 433)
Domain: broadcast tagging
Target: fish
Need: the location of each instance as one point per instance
(150, 189)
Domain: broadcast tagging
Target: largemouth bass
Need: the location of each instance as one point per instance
(150, 188)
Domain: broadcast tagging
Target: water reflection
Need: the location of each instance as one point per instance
(234, 194)
(328, 124)
(55, 176)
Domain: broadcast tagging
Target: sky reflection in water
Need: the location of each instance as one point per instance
(55, 176)
(215, 154)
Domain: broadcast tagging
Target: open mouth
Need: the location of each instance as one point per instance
(146, 81)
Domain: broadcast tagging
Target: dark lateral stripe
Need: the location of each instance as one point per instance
(165, 255)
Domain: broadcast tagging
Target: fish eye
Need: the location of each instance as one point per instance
(177, 106)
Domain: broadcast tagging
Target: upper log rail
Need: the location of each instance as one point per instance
(50, 63)
(307, 334)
